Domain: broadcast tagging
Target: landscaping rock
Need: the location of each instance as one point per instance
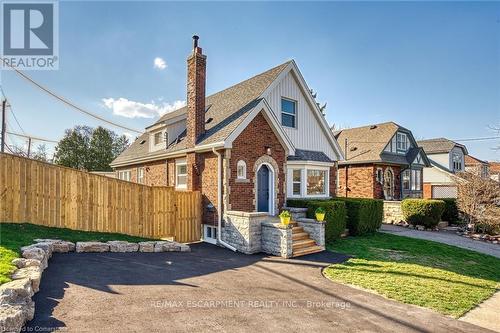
(23, 262)
(15, 291)
(29, 252)
(92, 247)
(167, 246)
(420, 227)
(58, 246)
(146, 246)
(33, 273)
(14, 316)
(122, 246)
(185, 248)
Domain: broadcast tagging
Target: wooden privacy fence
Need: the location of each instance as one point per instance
(54, 196)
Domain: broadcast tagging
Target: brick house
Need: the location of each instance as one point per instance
(447, 158)
(382, 161)
(246, 148)
(477, 166)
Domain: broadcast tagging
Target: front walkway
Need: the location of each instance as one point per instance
(445, 237)
(485, 314)
(214, 289)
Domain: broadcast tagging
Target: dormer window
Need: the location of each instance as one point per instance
(288, 113)
(402, 142)
(457, 162)
(159, 138)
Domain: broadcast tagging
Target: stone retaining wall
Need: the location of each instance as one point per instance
(16, 305)
(392, 212)
(277, 239)
(243, 230)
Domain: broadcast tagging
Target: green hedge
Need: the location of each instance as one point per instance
(424, 212)
(335, 217)
(302, 203)
(450, 213)
(364, 216)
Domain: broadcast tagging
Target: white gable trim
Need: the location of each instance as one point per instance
(292, 66)
(273, 122)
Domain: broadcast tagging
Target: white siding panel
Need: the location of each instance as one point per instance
(308, 135)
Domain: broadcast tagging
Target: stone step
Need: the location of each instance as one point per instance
(300, 236)
(306, 251)
(296, 230)
(294, 224)
(300, 244)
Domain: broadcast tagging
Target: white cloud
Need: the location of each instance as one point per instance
(131, 109)
(160, 63)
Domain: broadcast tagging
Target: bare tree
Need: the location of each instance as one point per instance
(479, 201)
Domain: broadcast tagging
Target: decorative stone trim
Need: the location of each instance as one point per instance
(16, 305)
(271, 161)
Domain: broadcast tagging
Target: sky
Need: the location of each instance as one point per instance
(432, 67)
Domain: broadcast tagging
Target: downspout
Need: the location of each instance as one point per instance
(219, 202)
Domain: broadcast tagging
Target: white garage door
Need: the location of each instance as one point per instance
(440, 192)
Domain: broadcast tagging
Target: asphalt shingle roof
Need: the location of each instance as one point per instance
(225, 110)
(439, 145)
(309, 155)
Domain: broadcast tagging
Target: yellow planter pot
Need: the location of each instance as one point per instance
(320, 217)
(285, 220)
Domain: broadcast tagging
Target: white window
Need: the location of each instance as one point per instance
(181, 174)
(416, 180)
(406, 179)
(140, 175)
(380, 175)
(159, 137)
(316, 182)
(288, 113)
(297, 182)
(210, 234)
(241, 170)
(124, 175)
(457, 162)
(401, 142)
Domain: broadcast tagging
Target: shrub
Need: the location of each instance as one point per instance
(302, 203)
(450, 213)
(364, 216)
(335, 217)
(424, 212)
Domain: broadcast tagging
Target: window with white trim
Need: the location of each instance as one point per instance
(380, 175)
(401, 142)
(140, 175)
(457, 161)
(124, 175)
(159, 138)
(181, 174)
(241, 170)
(406, 179)
(316, 182)
(296, 182)
(288, 113)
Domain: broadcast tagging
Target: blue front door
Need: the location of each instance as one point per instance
(263, 189)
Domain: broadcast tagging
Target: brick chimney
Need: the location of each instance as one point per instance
(196, 64)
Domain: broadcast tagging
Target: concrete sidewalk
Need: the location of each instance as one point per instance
(445, 237)
(486, 314)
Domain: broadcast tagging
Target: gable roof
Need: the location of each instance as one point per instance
(225, 111)
(440, 145)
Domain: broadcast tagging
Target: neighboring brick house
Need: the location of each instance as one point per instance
(494, 171)
(447, 158)
(382, 161)
(477, 166)
(246, 148)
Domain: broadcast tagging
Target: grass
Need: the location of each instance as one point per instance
(444, 278)
(15, 235)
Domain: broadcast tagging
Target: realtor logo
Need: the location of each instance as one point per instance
(29, 35)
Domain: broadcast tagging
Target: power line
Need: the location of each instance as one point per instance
(479, 139)
(31, 137)
(69, 103)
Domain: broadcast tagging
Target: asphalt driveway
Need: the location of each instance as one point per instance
(214, 289)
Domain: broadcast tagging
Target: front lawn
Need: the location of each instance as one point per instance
(15, 235)
(444, 278)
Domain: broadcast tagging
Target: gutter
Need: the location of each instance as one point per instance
(219, 202)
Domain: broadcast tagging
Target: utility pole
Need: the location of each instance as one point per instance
(4, 124)
(29, 146)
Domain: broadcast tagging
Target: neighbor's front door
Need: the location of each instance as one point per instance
(263, 189)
